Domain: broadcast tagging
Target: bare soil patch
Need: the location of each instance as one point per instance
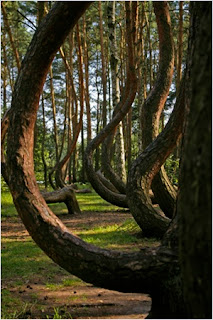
(80, 300)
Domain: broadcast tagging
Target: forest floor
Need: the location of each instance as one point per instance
(34, 287)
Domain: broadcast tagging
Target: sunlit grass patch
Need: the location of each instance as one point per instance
(93, 202)
(115, 236)
(24, 263)
(7, 207)
(72, 281)
(82, 297)
(87, 202)
(22, 260)
(69, 281)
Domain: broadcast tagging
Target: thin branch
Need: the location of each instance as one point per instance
(27, 19)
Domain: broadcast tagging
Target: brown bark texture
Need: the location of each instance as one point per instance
(7, 25)
(114, 177)
(195, 195)
(66, 195)
(103, 63)
(59, 166)
(101, 267)
(154, 104)
(146, 166)
(154, 270)
(86, 91)
(121, 109)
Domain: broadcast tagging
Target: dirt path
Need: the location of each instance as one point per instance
(81, 300)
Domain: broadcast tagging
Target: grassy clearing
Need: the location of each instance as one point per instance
(23, 262)
(87, 202)
(117, 236)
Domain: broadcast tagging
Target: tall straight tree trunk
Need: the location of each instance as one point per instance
(3, 39)
(179, 62)
(62, 165)
(180, 44)
(119, 139)
(4, 74)
(6, 23)
(86, 91)
(54, 115)
(63, 138)
(82, 155)
(154, 104)
(142, 88)
(81, 89)
(98, 112)
(121, 110)
(69, 127)
(103, 62)
(74, 104)
(43, 144)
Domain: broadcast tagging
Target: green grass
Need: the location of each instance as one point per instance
(117, 236)
(58, 314)
(13, 308)
(23, 261)
(69, 281)
(93, 202)
(7, 207)
(87, 202)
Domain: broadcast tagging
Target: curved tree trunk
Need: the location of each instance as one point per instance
(119, 142)
(121, 109)
(106, 182)
(59, 167)
(66, 195)
(147, 165)
(114, 178)
(155, 270)
(154, 104)
(114, 270)
(164, 192)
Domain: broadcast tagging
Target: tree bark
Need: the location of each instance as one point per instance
(104, 77)
(43, 144)
(154, 270)
(86, 91)
(147, 165)
(121, 109)
(66, 195)
(114, 178)
(195, 195)
(154, 104)
(59, 166)
(64, 248)
(54, 116)
(119, 140)
(12, 42)
(180, 45)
